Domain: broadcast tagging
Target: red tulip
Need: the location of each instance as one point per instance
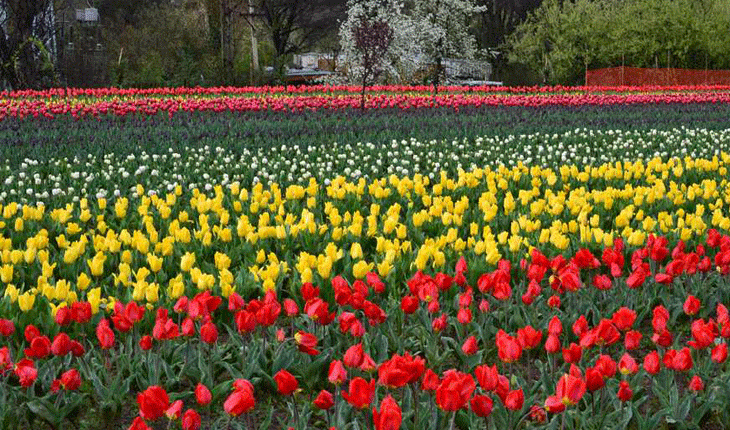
(286, 383)
(241, 400)
(696, 384)
(683, 360)
(209, 333)
(481, 405)
(409, 304)
(139, 424)
(573, 353)
(580, 326)
(439, 323)
(594, 379)
(337, 373)
(70, 380)
(624, 318)
(153, 402)
(660, 318)
(627, 364)
(188, 327)
(606, 366)
(508, 348)
(624, 391)
(570, 389)
(455, 390)
(703, 334)
(7, 327)
(652, 363)
(552, 344)
(145, 342)
(399, 371)
(719, 353)
(389, 417)
(26, 372)
(430, 381)
(470, 346)
(488, 377)
(514, 400)
(104, 334)
(40, 347)
(554, 405)
(290, 307)
(528, 337)
(175, 409)
(361, 393)
(632, 340)
(190, 420)
(324, 400)
(306, 342)
(202, 394)
(61, 344)
(354, 356)
(691, 305)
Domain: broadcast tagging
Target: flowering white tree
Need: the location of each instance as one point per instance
(424, 33)
(443, 31)
(399, 58)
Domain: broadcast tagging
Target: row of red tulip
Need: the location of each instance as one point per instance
(147, 105)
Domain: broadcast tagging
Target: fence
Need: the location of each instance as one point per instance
(634, 76)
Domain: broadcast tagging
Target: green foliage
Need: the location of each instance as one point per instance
(165, 46)
(562, 39)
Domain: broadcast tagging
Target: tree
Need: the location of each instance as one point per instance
(443, 31)
(562, 39)
(372, 39)
(400, 60)
(26, 35)
(294, 25)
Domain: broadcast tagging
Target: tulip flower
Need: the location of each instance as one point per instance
(624, 391)
(389, 417)
(470, 346)
(104, 334)
(481, 405)
(190, 420)
(454, 391)
(202, 394)
(286, 383)
(153, 402)
(570, 389)
(360, 393)
(514, 400)
(696, 384)
(241, 400)
(324, 400)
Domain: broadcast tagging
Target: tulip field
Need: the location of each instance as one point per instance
(277, 257)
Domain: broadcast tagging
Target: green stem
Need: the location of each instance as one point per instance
(452, 421)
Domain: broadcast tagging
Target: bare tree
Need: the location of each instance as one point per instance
(26, 38)
(294, 25)
(372, 39)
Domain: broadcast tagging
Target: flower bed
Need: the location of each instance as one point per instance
(527, 281)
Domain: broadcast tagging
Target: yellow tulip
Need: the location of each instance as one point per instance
(154, 262)
(187, 261)
(94, 299)
(12, 292)
(151, 293)
(26, 301)
(6, 273)
(355, 251)
(175, 287)
(97, 264)
(360, 269)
